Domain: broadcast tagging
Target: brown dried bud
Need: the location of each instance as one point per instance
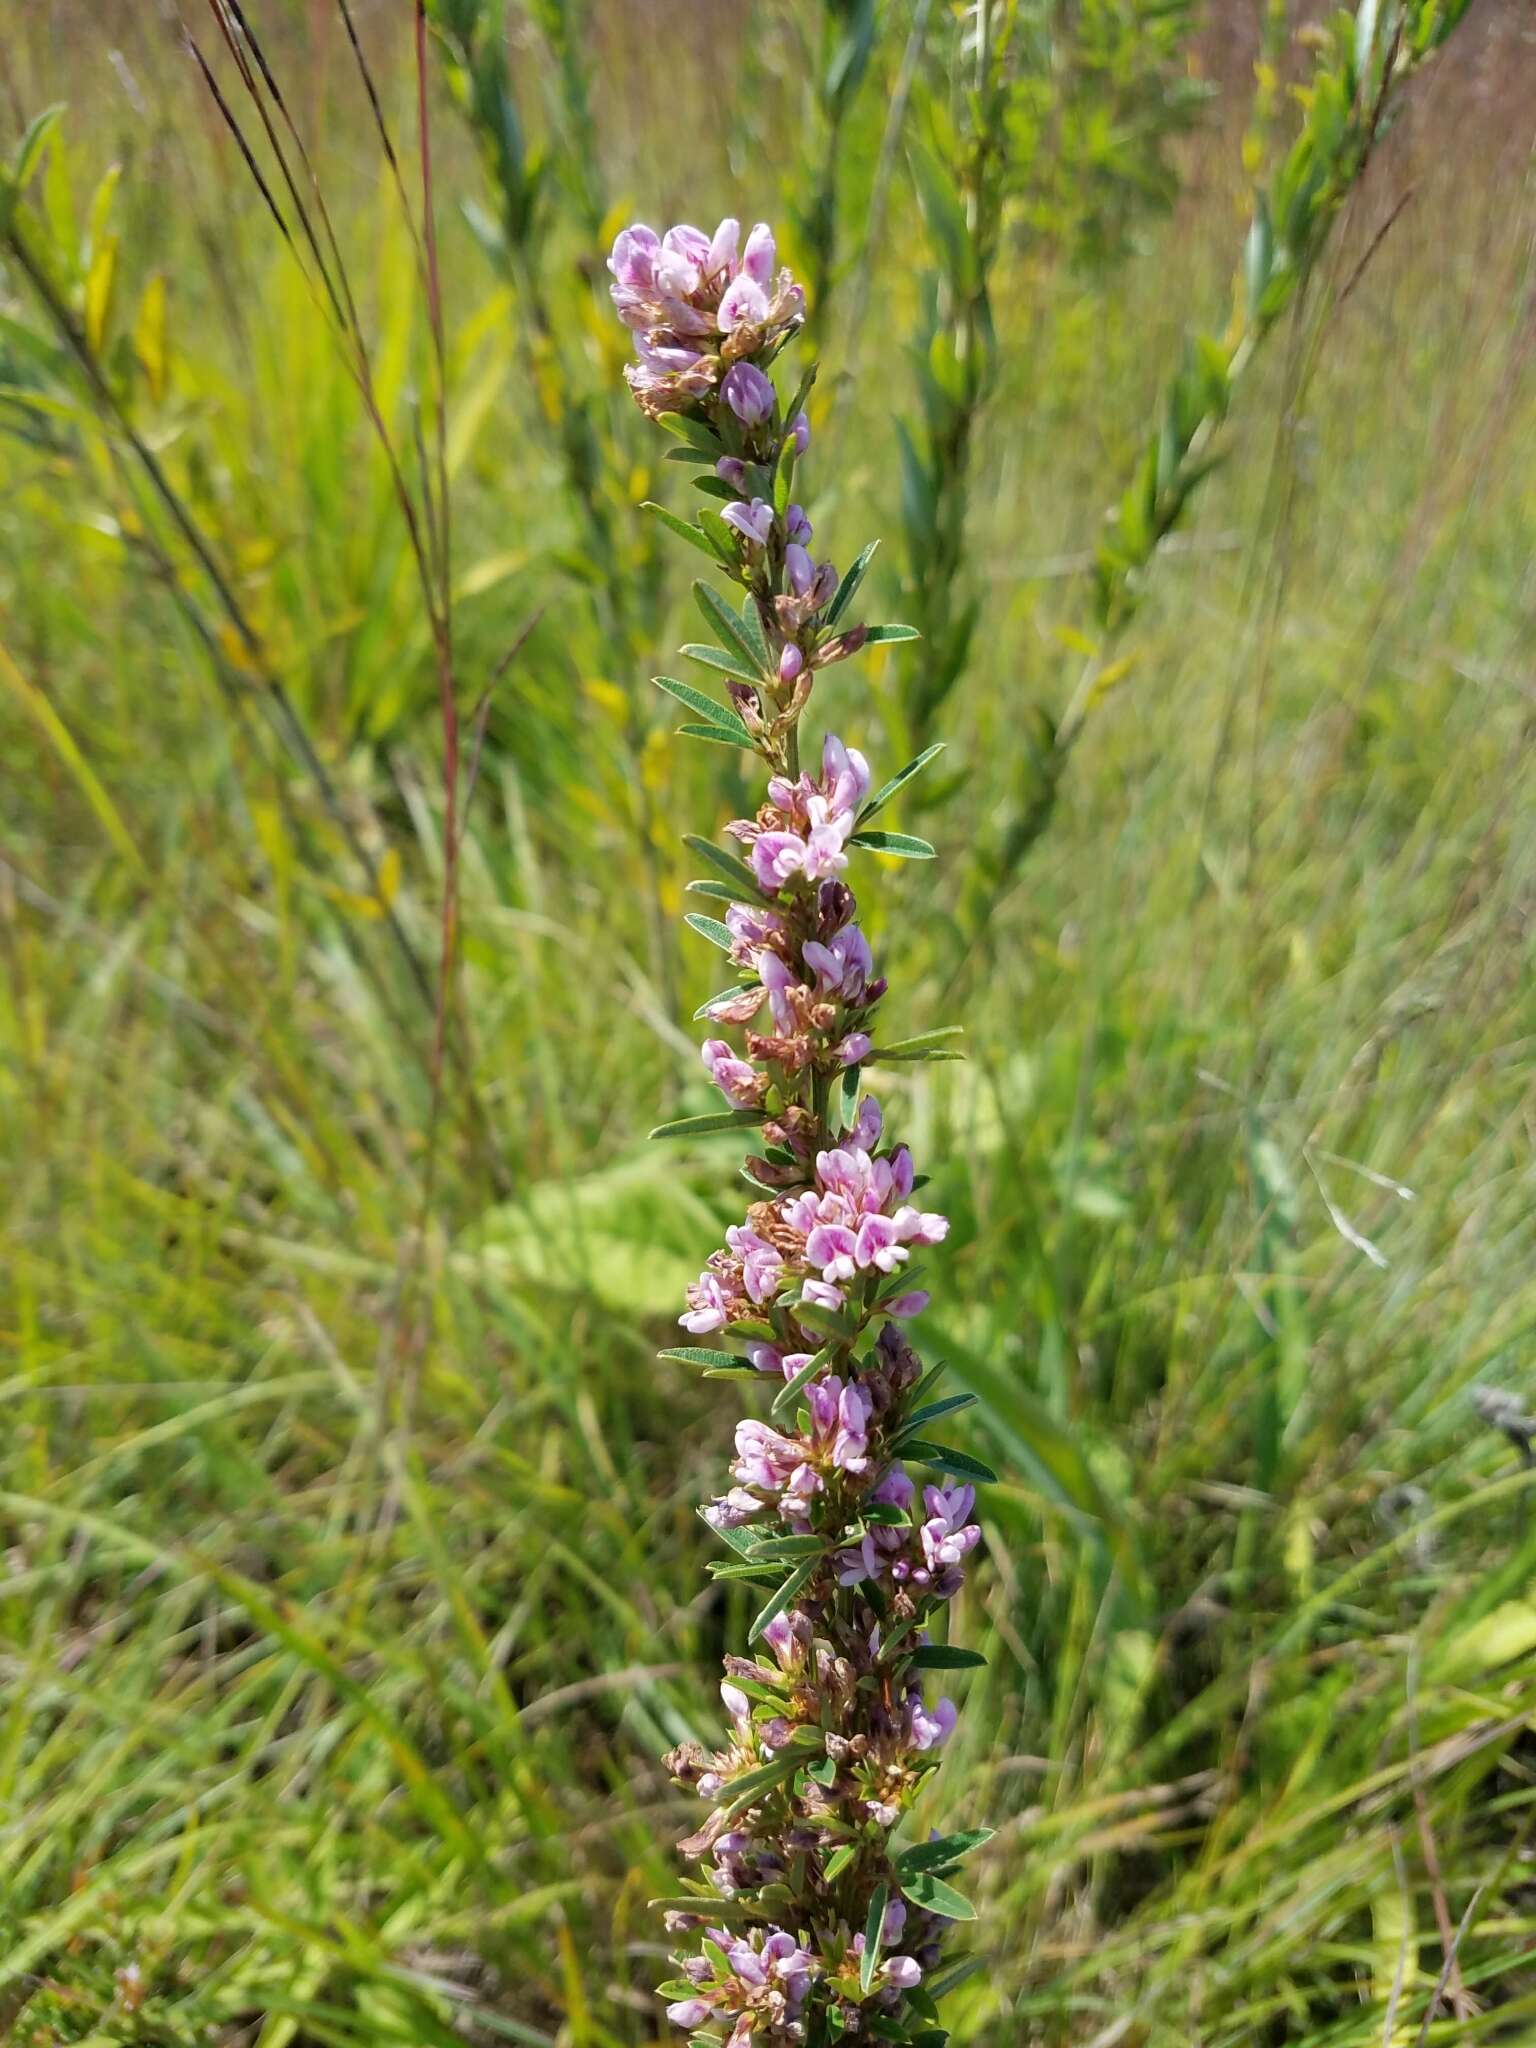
(685, 1763)
(840, 648)
(768, 1175)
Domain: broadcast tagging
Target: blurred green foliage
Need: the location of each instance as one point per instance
(349, 1583)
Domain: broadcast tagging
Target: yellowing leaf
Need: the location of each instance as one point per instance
(100, 260)
(149, 343)
(493, 570)
(99, 281)
(389, 876)
(41, 711)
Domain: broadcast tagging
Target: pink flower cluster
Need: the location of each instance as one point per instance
(854, 1226)
(812, 821)
(943, 1540)
(699, 304)
(764, 1983)
(831, 1738)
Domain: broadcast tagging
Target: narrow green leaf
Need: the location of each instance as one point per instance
(724, 620)
(946, 1657)
(787, 1549)
(934, 1896)
(752, 629)
(785, 1398)
(695, 1354)
(696, 700)
(937, 1408)
(784, 476)
(883, 796)
(680, 527)
(712, 929)
(794, 1584)
(726, 663)
(694, 432)
(742, 1541)
(714, 487)
(720, 734)
(33, 142)
(826, 1322)
(720, 891)
(874, 636)
(848, 588)
(700, 1902)
(733, 869)
(874, 1937)
(713, 1120)
(902, 844)
(839, 1861)
(802, 392)
(743, 1791)
(925, 1045)
(942, 1458)
(947, 1850)
(721, 541)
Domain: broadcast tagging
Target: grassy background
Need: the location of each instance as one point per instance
(349, 1579)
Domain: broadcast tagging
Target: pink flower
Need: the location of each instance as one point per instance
(845, 774)
(842, 967)
(749, 394)
(633, 261)
(896, 1488)
(867, 1125)
(737, 1705)
(760, 254)
(927, 1730)
(776, 856)
(710, 1305)
(753, 522)
(738, 1081)
(834, 1248)
(907, 1305)
(722, 248)
(762, 1267)
(745, 304)
(690, 2012)
(925, 1226)
(822, 1294)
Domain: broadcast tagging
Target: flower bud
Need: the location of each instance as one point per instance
(757, 259)
(791, 661)
(749, 394)
(722, 247)
(733, 471)
(798, 570)
(800, 433)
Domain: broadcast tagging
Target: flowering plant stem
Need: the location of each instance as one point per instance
(809, 1922)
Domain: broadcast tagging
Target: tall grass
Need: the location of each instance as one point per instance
(350, 1572)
